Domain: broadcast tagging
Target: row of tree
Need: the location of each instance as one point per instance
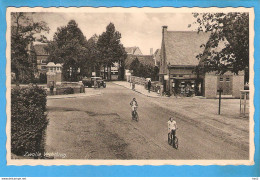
(79, 56)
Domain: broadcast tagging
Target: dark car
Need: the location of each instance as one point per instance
(89, 82)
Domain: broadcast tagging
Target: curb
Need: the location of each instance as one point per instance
(65, 96)
(137, 91)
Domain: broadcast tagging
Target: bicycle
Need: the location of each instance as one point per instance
(135, 115)
(173, 140)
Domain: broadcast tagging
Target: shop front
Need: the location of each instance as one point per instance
(186, 87)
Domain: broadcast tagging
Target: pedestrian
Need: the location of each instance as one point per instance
(133, 85)
(95, 84)
(51, 89)
(149, 85)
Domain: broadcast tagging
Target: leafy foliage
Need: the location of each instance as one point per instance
(94, 62)
(23, 33)
(145, 71)
(228, 45)
(28, 119)
(110, 48)
(69, 47)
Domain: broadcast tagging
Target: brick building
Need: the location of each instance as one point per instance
(178, 61)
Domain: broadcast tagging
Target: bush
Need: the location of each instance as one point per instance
(28, 119)
(69, 90)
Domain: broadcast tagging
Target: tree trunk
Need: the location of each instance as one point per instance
(109, 73)
(104, 72)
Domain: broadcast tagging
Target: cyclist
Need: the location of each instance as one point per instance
(172, 126)
(134, 106)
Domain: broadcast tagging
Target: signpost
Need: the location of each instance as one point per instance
(219, 101)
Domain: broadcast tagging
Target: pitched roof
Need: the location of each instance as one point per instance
(132, 50)
(182, 47)
(144, 59)
(39, 49)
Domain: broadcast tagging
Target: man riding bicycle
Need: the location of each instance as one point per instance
(134, 106)
(172, 126)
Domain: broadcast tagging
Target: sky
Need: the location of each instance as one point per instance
(143, 30)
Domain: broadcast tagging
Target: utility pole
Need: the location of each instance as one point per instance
(219, 101)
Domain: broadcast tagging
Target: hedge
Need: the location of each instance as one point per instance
(28, 119)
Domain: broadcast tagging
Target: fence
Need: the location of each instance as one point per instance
(155, 85)
(138, 80)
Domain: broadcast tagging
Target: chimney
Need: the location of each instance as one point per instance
(151, 51)
(164, 29)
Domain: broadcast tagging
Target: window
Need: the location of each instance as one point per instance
(180, 75)
(227, 79)
(221, 79)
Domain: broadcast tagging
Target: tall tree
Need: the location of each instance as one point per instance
(23, 34)
(94, 61)
(69, 47)
(110, 49)
(135, 67)
(231, 31)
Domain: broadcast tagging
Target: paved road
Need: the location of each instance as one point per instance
(100, 127)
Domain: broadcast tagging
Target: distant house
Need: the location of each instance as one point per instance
(41, 56)
(133, 50)
(143, 59)
(113, 74)
(157, 57)
(178, 60)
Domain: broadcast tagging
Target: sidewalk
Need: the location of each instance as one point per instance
(88, 92)
(138, 88)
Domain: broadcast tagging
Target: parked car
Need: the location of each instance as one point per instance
(89, 82)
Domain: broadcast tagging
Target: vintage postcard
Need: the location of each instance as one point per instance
(130, 86)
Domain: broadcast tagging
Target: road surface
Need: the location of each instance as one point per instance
(100, 127)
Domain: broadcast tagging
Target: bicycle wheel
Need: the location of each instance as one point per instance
(169, 139)
(136, 116)
(176, 143)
